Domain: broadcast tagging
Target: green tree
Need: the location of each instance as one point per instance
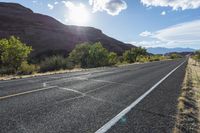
(90, 55)
(13, 52)
(112, 58)
(80, 54)
(98, 55)
(131, 55)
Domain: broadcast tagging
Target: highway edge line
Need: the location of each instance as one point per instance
(115, 119)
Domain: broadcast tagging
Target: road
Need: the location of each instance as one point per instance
(138, 98)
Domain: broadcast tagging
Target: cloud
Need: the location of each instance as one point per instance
(188, 32)
(50, 6)
(174, 4)
(181, 35)
(112, 7)
(146, 44)
(56, 2)
(68, 4)
(163, 13)
(34, 1)
(146, 34)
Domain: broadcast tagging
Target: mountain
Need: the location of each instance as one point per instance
(180, 53)
(47, 35)
(162, 50)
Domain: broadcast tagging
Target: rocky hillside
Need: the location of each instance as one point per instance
(47, 35)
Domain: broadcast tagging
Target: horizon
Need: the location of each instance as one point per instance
(170, 25)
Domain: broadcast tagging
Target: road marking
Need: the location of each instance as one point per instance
(44, 84)
(75, 91)
(26, 92)
(114, 120)
(86, 94)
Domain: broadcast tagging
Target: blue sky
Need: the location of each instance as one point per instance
(148, 23)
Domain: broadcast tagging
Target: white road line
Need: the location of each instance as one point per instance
(44, 84)
(75, 91)
(26, 92)
(114, 120)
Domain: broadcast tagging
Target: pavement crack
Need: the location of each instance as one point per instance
(86, 95)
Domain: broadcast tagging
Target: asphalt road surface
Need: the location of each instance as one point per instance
(139, 98)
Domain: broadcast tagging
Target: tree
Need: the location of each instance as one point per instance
(89, 55)
(112, 58)
(98, 55)
(80, 54)
(131, 55)
(13, 52)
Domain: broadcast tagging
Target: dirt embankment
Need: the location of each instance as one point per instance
(188, 116)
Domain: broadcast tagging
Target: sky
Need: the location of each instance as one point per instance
(147, 23)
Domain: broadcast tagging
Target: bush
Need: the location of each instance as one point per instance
(98, 56)
(55, 63)
(69, 64)
(26, 68)
(131, 56)
(13, 52)
(120, 59)
(89, 55)
(112, 58)
(175, 56)
(197, 54)
(142, 59)
(80, 54)
(6, 70)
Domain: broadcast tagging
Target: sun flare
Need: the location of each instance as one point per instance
(79, 15)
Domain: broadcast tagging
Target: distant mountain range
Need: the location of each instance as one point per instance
(48, 36)
(163, 50)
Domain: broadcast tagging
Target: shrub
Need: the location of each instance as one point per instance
(131, 56)
(120, 59)
(13, 52)
(69, 64)
(98, 56)
(112, 58)
(143, 59)
(175, 56)
(197, 54)
(6, 70)
(26, 68)
(80, 54)
(90, 55)
(54, 63)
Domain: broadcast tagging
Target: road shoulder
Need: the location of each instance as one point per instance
(188, 115)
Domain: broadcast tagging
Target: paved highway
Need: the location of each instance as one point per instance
(138, 98)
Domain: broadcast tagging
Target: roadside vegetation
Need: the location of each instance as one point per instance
(188, 117)
(15, 58)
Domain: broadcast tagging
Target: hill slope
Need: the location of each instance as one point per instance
(47, 35)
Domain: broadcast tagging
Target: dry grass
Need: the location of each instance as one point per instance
(188, 116)
(10, 77)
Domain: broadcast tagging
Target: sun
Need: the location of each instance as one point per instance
(79, 15)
